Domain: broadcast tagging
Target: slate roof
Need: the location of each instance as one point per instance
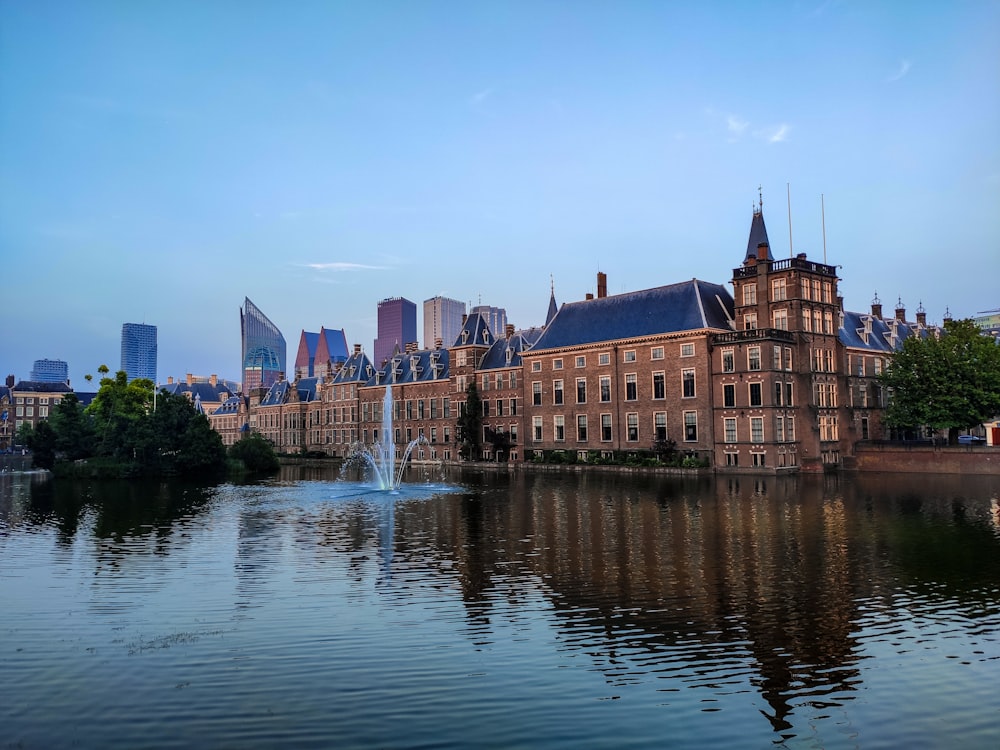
(231, 405)
(687, 306)
(357, 369)
(507, 352)
(758, 234)
(39, 386)
(865, 331)
(475, 332)
(199, 391)
(277, 394)
(420, 366)
(553, 307)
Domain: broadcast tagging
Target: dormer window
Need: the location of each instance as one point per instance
(486, 336)
(509, 354)
(465, 336)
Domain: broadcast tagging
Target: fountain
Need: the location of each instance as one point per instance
(381, 456)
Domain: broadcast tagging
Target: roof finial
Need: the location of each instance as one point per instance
(760, 198)
(876, 301)
(552, 283)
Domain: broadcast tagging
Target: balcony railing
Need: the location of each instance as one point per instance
(753, 334)
(745, 272)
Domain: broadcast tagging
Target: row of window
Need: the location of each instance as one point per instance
(606, 432)
(604, 358)
(812, 289)
(782, 393)
(31, 400)
(29, 411)
(659, 388)
(784, 429)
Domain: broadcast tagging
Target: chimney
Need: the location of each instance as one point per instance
(877, 307)
(438, 342)
(465, 318)
(170, 379)
(589, 296)
(509, 330)
(602, 285)
(900, 310)
(213, 380)
(10, 381)
(947, 315)
(190, 378)
(921, 316)
(762, 249)
(840, 303)
(357, 348)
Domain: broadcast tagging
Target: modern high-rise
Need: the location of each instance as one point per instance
(263, 348)
(50, 371)
(139, 351)
(495, 317)
(442, 320)
(397, 326)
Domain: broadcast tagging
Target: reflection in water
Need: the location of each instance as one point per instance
(799, 607)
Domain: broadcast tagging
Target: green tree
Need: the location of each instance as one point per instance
(470, 424)
(43, 445)
(256, 454)
(947, 383)
(118, 410)
(73, 428)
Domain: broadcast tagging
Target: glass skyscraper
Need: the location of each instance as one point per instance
(397, 327)
(139, 351)
(50, 371)
(263, 348)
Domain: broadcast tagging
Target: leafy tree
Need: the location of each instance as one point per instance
(73, 428)
(255, 452)
(25, 434)
(118, 409)
(951, 382)
(470, 424)
(43, 445)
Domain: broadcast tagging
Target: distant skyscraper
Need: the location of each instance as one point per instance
(442, 320)
(50, 371)
(495, 317)
(263, 348)
(397, 326)
(139, 351)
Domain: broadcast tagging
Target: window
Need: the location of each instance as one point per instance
(513, 379)
(780, 320)
(827, 322)
(513, 407)
(536, 366)
(730, 429)
(806, 320)
(687, 383)
(581, 361)
(750, 321)
(790, 428)
(805, 288)
(604, 358)
(750, 293)
(660, 425)
(513, 433)
(630, 387)
(605, 388)
(778, 293)
(557, 392)
(788, 394)
(632, 427)
(434, 434)
(606, 428)
(779, 429)
(753, 358)
(690, 426)
(536, 393)
(758, 459)
(687, 350)
(486, 408)
(629, 356)
(878, 365)
(756, 398)
(559, 427)
(776, 359)
(557, 364)
(788, 358)
(815, 290)
(728, 360)
(499, 407)
(756, 429)
(420, 409)
(827, 292)
(486, 381)
(864, 428)
(777, 394)
(656, 353)
(536, 424)
(732, 459)
(729, 395)
(828, 428)
(581, 428)
(581, 390)
(659, 385)
(499, 381)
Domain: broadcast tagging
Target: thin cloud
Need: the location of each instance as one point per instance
(341, 267)
(480, 97)
(904, 68)
(779, 134)
(736, 126)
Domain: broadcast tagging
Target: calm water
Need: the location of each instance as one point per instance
(533, 610)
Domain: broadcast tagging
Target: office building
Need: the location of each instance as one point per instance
(139, 351)
(263, 348)
(495, 317)
(442, 320)
(397, 327)
(50, 371)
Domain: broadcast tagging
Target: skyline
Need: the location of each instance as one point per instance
(160, 163)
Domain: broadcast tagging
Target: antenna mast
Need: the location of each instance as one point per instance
(791, 253)
(822, 208)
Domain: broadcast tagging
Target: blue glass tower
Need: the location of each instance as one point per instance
(50, 371)
(139, 351)
(263, 348)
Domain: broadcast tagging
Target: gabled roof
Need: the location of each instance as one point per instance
(357, 369)
(865, 331)
(475, 332)
(306, 388)
(413, 367)
(305, 357)
(40, 386)
(553, 307)
(231, 405)
(507, 352)
(758, 235)
(201, 390)
(332, 345)
(277, 394)
(688, 306)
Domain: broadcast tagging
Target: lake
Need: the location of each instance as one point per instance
(481, 608)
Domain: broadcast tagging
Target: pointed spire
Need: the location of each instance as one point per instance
(758, 232)
(553, 307)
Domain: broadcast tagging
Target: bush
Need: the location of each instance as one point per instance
(255, 453)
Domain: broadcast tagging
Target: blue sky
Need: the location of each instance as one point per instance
(159, 161)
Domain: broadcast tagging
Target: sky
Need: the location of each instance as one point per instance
(160, 161)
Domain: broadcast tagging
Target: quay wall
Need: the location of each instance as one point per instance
(928, 459)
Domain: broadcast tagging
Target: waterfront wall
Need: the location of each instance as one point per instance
(927, 459)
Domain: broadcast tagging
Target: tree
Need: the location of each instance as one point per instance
(73, 428)
(255, 452)
(947, 383)
(470, 424)
(43, 445)
(118, 409)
